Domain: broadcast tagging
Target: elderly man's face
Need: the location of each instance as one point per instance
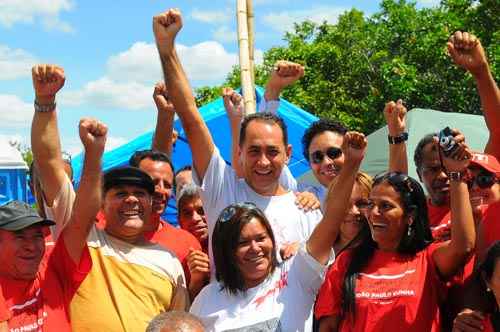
(21, 252)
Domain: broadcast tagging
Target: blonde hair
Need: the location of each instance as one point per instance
(363, 180)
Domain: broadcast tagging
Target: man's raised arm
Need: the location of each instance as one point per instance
(89, 195)
(467, 52)
(163, 138)
(45, 142)
(165, 28)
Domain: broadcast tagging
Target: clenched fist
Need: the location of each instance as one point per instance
(160, 96)
(395, 113)
(354, 147)
(165, 28)
(47, 81)
(284, 74)
(467, 52)
(93, 135)
(233, 103)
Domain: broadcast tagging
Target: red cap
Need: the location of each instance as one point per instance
(486, 161)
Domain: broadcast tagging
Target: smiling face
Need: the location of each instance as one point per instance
(192, 218)
(253, 253)
(434, 177)
(163, 177)
(326, 169)
(478, 195)
(127, 210)
(263, 156)
(353, 223)
(386, 217)
(22, 252)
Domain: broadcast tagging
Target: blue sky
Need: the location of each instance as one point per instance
(108, 53)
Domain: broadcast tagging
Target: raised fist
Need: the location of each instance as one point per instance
(395, 113)
(47, 81)
(467, 52)
(354, 147)
(160, 96)
(93, 135)
(284, 74)
(233, 103)
(165, 28)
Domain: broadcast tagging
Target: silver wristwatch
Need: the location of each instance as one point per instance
(44, 107)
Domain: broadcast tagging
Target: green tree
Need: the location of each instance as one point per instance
(355, 66)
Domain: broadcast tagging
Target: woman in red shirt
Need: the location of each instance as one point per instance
(394, 278)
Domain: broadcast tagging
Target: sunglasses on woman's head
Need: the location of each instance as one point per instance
(332, 153)
(483, 180)
(229, 212)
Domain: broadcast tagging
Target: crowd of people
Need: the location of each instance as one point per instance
(256, 249)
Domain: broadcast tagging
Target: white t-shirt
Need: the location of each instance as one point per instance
(283, 302)
(221, 187)
(288, 181)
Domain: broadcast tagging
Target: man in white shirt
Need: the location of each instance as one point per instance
(263, 152)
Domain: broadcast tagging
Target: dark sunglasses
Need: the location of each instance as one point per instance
(332, 153)
(483, 180)
(229, 212)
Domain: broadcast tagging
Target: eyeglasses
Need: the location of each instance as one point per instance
(483, 180)
(229, 212)
(332, 153)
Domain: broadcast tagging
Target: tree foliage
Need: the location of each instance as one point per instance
(355, 66)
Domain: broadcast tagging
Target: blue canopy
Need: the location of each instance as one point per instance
(12, 174)
(296, 119)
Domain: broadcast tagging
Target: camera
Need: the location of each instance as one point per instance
(447, 141)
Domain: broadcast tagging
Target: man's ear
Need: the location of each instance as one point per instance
(288, 152)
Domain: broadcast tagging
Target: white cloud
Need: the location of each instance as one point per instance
(211, 17)
(139, 63)
(14, 112)
(130, 75)
(15, 63)
(107, 93)
(225, 35)
(283, 21)
(29, 11)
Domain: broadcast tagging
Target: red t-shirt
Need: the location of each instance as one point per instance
(42, 304)
(393, 290)
(439, 219)
(174, 239)
(490, 227)
(4, 311)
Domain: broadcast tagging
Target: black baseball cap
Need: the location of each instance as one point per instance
(17, 215)
(128, 175)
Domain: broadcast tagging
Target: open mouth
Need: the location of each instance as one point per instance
(255, 260)
(477, 200)
(263, 172)
(379, 226)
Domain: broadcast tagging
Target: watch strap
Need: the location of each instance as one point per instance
(403, 137)
(44, 107)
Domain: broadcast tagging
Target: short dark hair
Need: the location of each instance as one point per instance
(175, 321)
(154, 155)
(418, 238)
(267, 117)
(180, 170)
(418, 155)
(225, 239)
(318, 127)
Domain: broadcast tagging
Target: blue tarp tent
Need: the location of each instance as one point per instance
(296, 119)
(12, 174)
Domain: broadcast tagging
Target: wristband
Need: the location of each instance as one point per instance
(456, 176)
(44, 107)
(403, 137)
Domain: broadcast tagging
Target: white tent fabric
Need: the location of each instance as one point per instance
(10, 157)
